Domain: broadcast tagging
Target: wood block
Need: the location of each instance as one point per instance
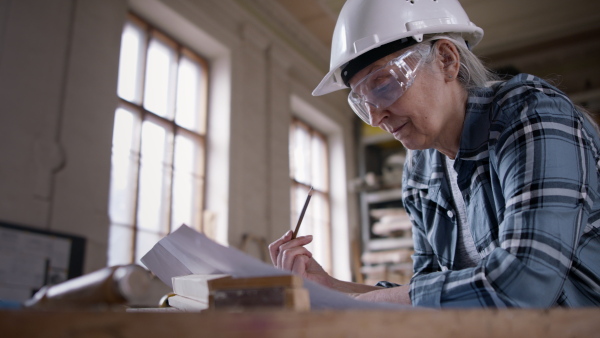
(285, 281)
(295, 298)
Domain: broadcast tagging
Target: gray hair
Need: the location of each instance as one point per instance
(472, 73)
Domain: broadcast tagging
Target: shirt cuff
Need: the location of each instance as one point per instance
(386, 284)
(426, 290)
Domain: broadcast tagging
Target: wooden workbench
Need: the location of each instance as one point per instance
(417, 323)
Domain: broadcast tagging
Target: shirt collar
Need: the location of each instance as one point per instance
(476, 128)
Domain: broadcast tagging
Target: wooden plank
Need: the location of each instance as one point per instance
(289, 281)
(417, 323)
(296, 299)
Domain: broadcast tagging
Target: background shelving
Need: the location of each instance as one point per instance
(385, 227)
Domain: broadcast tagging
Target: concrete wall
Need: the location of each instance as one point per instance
(58, 76)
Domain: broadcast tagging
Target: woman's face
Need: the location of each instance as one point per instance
(423, 117)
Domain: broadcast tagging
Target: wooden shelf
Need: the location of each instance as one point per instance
(389, 243)
(376, 147)
(384, 195)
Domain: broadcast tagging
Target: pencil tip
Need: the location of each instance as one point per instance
(310, 191)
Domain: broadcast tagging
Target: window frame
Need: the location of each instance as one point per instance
(325, 195)
(170, 125)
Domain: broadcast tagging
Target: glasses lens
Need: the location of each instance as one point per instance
(382, 87)
(359, 107)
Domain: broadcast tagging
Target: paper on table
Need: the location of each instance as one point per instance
(186, 251)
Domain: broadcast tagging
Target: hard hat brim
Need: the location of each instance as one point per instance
(332, 81)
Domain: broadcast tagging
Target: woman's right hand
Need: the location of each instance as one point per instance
(290, 254)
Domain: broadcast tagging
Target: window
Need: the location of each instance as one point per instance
(309, 166)
(158, 149)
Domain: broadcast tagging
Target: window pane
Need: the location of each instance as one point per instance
(144, 242)
(319, 164)
(321, 231)
(309, 166)
(188, 94)
(154, 179)
(125, 157)
(300, 154)
(130, 63)
(157, 179)
(187, 183)
(121, 242)
(158, 88)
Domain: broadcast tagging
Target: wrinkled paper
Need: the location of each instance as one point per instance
(186, 251)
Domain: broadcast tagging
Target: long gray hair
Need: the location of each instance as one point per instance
(473, 74)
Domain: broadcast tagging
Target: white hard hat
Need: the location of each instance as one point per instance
(364, 25)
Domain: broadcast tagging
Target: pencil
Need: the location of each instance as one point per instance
(302, 213)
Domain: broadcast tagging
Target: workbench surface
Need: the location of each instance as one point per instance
(408, 323)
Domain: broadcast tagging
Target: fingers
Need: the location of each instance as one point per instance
(299, 242)
(289, 257)
(274, 247)
(299, 264)
(290, 254)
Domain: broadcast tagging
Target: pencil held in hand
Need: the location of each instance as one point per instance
(302, 213)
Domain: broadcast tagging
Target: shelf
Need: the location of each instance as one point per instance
(394, 256)
(389, 243)
(384, 195)
(385, 255)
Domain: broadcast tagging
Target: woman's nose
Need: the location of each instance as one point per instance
(377, 116)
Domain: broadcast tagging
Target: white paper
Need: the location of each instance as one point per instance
(186, 251)
(186, 304)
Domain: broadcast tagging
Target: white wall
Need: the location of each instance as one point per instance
(58, 75)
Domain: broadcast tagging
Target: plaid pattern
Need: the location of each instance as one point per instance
(528, 170)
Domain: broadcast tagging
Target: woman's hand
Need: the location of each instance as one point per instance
(290, 254)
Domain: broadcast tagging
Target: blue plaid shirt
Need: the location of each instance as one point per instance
(528, 169)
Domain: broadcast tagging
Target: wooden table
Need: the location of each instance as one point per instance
(415, 323)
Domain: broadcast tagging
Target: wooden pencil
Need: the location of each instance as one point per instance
(302, 213)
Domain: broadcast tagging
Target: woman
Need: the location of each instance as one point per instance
(502, 179)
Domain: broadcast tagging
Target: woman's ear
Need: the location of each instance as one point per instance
(449, 58)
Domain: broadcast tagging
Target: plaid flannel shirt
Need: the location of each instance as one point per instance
(528, 169)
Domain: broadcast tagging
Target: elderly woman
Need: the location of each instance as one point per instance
(501, 181)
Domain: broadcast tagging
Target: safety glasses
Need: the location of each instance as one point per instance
(383, 86)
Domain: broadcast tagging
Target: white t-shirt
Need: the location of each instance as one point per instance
(466, 255)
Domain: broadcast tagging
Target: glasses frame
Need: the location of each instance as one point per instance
(399, 66)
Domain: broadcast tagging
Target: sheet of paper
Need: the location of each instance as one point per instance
(186, 251)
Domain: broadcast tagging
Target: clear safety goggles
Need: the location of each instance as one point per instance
(382, 87)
